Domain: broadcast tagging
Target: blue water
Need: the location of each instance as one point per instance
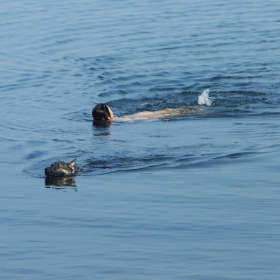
(186, 197)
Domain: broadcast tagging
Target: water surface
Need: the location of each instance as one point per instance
(187, 197)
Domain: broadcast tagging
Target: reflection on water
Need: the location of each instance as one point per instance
(102, 124)
(60, 181)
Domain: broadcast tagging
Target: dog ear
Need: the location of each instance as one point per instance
(72, 163)
(109, 112)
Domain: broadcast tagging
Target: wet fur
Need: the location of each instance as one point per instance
(62, 169)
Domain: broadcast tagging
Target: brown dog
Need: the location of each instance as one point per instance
(102, 112)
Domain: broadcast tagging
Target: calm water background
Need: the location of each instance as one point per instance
(191, 197)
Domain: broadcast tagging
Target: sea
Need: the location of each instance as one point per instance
(193, 196)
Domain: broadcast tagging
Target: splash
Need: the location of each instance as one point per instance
(204, 99)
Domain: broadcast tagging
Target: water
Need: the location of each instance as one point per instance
(187, 197)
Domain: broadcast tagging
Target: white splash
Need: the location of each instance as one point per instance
(204, 99)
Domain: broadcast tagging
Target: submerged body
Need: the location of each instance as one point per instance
(102, 112)
(62, 169)
(150, 115)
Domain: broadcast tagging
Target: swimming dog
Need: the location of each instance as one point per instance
(102, 112)
(62, 169)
